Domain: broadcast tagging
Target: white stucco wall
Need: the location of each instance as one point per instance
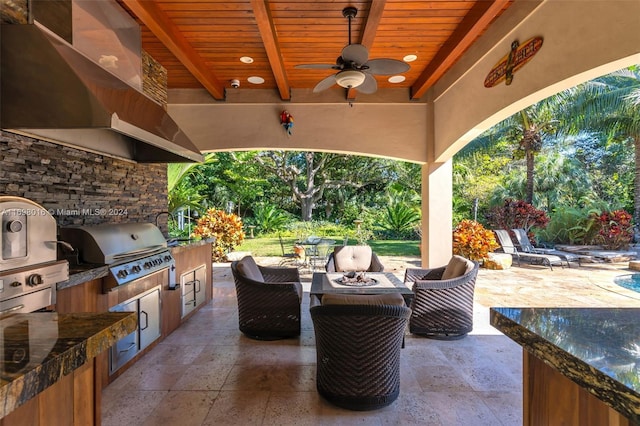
(385, 130)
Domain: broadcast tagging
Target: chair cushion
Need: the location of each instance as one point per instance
(457, 267)
(394, 299)
(247, 267)
(352, 258)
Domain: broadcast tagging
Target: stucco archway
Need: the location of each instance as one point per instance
(582, 40)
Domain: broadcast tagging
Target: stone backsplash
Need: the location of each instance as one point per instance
(79, 187)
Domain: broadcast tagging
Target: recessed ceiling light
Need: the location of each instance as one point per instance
(254, 79)
(246, 60)
(396, 79)
(410, 58)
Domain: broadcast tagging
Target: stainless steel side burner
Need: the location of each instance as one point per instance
(29, 269)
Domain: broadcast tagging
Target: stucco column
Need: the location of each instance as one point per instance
(437, 213)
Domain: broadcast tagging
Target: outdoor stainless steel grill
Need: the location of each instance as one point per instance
(132, 250)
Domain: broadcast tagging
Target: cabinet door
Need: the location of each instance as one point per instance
(149, 318)
(200, 283)
(127, 347)
(188, 286)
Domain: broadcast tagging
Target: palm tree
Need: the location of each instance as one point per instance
(610, 106)
(527, 130)
(179, 192)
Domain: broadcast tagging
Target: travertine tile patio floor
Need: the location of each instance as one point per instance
(207, 373)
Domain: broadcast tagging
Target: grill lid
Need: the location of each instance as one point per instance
(111, 243)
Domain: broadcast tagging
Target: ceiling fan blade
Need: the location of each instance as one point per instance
(369, 85)
(316, 66)
(325, 83)
(357, 53)
(386, 66)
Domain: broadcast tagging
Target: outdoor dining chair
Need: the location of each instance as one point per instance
(442, 306)
(358, 344)
(268, 300)
(353, 258)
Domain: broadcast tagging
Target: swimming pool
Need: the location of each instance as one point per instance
(630, 281)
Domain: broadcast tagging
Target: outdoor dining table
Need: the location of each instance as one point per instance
(385, 282)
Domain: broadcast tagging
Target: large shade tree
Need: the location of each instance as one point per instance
(310, 174)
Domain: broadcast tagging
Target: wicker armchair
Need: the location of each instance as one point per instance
(442, 306)
(358, 351)
(353, 258)
(268, 300)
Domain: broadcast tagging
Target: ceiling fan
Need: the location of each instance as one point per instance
(355, 70)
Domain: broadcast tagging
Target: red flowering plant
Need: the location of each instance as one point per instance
(515, 214)
(225, 227)
(473, 241)
(616, 229)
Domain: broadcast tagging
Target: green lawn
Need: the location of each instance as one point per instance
(271, 246)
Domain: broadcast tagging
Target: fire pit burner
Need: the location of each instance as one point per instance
(356, 279)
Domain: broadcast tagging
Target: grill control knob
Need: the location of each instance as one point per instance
(147, 265)
(34, 280)
(122, 273)
(167, 258)
(14, 226)
(135, 269)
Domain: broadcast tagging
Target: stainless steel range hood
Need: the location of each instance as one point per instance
(52, 91)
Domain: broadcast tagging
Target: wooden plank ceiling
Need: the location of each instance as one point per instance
(200, 42)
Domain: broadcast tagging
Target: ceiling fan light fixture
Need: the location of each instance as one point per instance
(350, 78)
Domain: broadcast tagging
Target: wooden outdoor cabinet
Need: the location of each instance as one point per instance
(190, 261)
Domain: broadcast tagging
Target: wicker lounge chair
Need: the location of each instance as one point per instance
(527, 247)
(442, 307)
(534, 258)
(358, 343)
(353, 258)
(268, 300)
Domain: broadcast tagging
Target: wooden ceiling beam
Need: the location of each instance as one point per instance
(369, 32)
(373, 21)
(270, 40)
(469, 29)
(169, 34)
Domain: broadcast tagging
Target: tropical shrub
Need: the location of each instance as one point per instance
(225, 227)
(570, 225)
(517, 214)
(473, 241)
(616, 230)
(269, 218)
(400, 219)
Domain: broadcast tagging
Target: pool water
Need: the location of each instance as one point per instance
(631, 281)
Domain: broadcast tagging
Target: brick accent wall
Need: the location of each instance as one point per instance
(79, 187)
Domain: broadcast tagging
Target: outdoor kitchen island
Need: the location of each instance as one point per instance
(581, 366)
(48, 365)
(164, 298)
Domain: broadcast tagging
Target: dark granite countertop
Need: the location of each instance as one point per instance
(40, 348)
(597, 348)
